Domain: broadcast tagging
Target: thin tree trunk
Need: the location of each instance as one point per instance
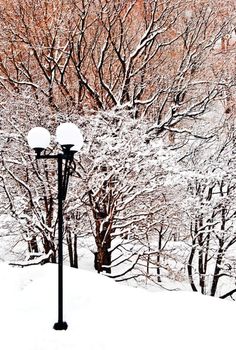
(75, 262)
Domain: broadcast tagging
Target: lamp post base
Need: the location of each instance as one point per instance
(59, 326)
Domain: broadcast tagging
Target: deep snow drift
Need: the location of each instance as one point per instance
(102, 314)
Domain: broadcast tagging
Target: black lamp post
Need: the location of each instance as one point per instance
(71, 141)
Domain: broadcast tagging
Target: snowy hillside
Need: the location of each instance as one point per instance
(102, 314)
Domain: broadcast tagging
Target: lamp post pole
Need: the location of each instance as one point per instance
(60, 325)
(62, 182)
(71, 140)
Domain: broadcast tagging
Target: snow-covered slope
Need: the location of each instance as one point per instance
(102, 314)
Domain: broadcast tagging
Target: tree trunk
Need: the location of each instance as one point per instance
(33, 245)
(190, 260)
(75, 262)
(49, 245)
(103, 255)
(102, 258)
(217, 270)
(72, 250)
(159, 258)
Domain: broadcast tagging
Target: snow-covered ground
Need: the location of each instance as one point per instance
(102, 314)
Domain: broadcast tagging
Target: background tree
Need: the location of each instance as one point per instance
(140, 79)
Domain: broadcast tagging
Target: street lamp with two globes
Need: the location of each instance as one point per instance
(69, 136)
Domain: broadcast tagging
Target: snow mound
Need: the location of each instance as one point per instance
(104, 315)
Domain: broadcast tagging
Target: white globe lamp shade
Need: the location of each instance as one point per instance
(68, 134)
(79, 143)
(38, 138)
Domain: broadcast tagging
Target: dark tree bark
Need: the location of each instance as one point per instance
(191, 257)
(49, 245)
(72, 249)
